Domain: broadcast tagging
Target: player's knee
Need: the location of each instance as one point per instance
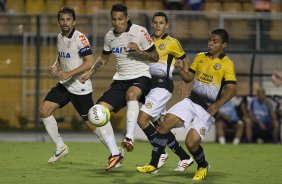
(143, 122)
(44, 113)
(132, 95)
(192, 142)
(164, 128)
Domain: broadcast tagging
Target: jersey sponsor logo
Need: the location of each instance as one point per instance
(217, 66)
(147, 36)
(84, 40)
(64, 55)
(205, 78)
(120, 50)
(149, 105)
(85, 49)
(162, 46)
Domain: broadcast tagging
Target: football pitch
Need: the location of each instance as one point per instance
(26, 163)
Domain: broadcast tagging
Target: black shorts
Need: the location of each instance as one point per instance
(116, 95)
(60, 95)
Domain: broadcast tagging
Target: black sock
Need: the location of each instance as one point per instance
(159, 144)
(150, 132)
(176, 147)
(199, 157)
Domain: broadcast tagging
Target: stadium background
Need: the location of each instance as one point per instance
(28, 32)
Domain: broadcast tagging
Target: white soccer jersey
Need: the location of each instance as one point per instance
(128, 64)
(71, 50)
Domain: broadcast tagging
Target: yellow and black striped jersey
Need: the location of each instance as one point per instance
(210, 75)
(166, 46)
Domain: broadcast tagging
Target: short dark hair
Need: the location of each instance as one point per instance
(222, 33)
(161, 14)
(66, 10)
(119, 8)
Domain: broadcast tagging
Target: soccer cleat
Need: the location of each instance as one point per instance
(122, 154)
(201, 173)
(162, 159)
(114, 161)
(147, 169)
(184, 164)
(127, 143)
(58, 153)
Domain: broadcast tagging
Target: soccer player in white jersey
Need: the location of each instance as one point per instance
(133, 49)
(74, 58)
(169, 50)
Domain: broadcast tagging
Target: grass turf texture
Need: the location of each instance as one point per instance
(26, 163)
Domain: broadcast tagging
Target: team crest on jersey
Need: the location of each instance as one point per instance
(162, 46)
(149, 105)
(217, 66)
(129, 37)
(68, 44)
(203, 131)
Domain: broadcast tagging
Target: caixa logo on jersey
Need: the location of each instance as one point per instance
(64, 55)
(120, 50)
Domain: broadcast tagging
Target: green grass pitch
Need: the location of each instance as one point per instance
(26, 163)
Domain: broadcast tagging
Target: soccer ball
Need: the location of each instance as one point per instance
(99, 115)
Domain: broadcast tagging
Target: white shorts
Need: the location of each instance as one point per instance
(193, 115)
(155, 103)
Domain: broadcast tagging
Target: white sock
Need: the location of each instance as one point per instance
(131, 118)
(236, 141)
(106, 135)
(52, 129)
(221, 140)
(98, 134)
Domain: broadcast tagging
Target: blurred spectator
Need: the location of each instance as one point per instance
(262, 5)
(229, 119)
(2, 5)
(195, 4)
(277, 78)
(263, 125)
(173, 4)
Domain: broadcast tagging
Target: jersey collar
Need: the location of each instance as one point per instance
(163, 37)
(221, 56)
(71, 33)
(129, 24)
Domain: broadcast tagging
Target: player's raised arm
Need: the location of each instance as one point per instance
(151, 54)
(182, 67)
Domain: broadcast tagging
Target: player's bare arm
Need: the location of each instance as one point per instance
(96, 67)
(55, 68)
(152, 56)
(182, 67)
(228, 92)
(86, 65)
(183, 86)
